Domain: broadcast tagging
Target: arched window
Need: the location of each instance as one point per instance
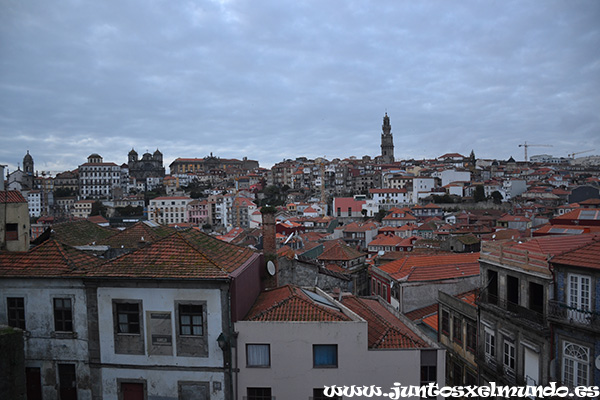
(575, 364)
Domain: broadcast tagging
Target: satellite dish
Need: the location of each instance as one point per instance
(271, 268)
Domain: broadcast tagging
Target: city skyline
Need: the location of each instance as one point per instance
(273, 81)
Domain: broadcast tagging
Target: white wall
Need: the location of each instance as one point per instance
(157, 299)
(42, 348)
(291, 374)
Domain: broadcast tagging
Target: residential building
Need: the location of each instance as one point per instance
(413, 281)
(98, 179)
(387, 199)
(42, 293)
(515, 344)
(82, 208)
(35, 203)
(347, 207)
(169, 210)
(148, 324)
(457, 327)
(357, 234)
(295, 341)
(574, 314)
(14, 221)
(198, 212)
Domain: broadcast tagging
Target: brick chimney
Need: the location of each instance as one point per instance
(269, 246)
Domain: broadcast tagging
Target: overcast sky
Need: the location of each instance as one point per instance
(271, 80)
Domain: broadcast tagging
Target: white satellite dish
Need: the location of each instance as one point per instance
(271, 268)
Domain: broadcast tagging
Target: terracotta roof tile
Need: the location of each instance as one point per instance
(433, 267)
(49, 259)
(432, 321)
(80, 233)
(385, 330)
(185, 254)
(587, 256)
(420, 313)
(340, 252)
(11, 196)
(290, 303)
(139, 232)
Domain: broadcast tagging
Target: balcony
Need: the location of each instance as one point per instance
(561, 312)
(515, 310)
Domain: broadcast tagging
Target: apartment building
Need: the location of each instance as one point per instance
(169, 210)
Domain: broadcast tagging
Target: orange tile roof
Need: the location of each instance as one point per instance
(289, 303)
(386, 240)
(432, 321)
(139, 232)
(11, 196)
(433, 267)
(340, 252)
(587, 256)
(49, 259)
(185, 254)
(420, 313)
(385, 330)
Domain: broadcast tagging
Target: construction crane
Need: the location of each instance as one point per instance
(526, 145)
(572, 155)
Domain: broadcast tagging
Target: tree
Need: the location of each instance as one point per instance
(496, 197)
(479, 194)
(98, 208)
(380, 215)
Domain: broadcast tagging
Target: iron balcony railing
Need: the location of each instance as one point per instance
(516, 310)
(562, 312)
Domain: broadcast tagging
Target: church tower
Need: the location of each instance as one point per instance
(387, 141)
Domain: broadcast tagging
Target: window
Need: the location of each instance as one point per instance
(325, 356)
(319, 394)
(12, 232)
(457, 335)
(492, 286)
(576, 366)
(63, 315)
(192, 326)
(512, 290)
(258, 393)
(509, 354)
(128, 317)
(536, 297)
(258, 355)
(445, 323)
(471, 337)
(490, 345)
(579, 298)
(190, 319)
(16, 312)
(428, 366)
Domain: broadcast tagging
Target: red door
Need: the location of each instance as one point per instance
(132, 391)
(34, 383)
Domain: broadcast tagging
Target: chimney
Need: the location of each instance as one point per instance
(269, 246)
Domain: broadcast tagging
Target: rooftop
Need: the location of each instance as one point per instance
(292, 304)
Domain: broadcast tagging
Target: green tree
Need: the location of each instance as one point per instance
(98, 208)
(479, 194)
(496, 197)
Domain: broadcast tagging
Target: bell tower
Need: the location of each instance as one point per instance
(387, 141)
